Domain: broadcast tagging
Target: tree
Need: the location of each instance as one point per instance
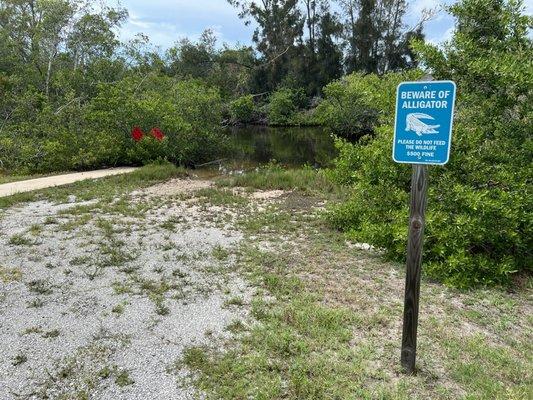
(329, 55)
(230, 69)
(378, 40)
(279, 33)
(48, 35)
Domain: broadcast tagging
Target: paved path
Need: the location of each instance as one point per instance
(7, 189)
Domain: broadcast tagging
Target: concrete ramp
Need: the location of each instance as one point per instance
(8, 189)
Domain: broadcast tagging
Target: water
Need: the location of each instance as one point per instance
(292, 146)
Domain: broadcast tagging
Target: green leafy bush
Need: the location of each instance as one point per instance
(355, 105)
(242, 109)
(42, 137)
(283, 106)
(479, 218)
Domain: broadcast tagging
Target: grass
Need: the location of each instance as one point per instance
(20, 240)
(19, 359)
(220, 197)
(8, 178)
(327, 317)
(273, 177)
(8, 275)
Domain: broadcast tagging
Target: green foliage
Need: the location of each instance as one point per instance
(188, 112)
(242, 109)
(96, 133)
(283, 106)
(354, 105)
(479, 226)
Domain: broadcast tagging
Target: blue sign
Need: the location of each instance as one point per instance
(423, 127)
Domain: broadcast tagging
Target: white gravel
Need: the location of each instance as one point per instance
(73, 319)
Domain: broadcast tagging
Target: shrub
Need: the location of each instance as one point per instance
(356, 104)
(42, 137)
(479, 226)
(242, 109)
(188, 112)
(283, 106)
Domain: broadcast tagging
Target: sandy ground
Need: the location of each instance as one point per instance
(107, 307)
(8, 189)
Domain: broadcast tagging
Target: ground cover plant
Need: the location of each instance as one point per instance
(322, 317)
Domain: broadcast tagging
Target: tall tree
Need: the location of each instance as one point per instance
(329, 52)
(378, 40)
(277, 37)
(42, 36)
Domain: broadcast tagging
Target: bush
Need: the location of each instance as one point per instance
(283, 106)
(242, 109)
(42, 137)
(356, 104)
(479, 225)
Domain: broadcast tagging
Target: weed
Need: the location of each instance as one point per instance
(8, 275)
(123, 378)
(36, 303)
(195, 357)
(51, 334)
(119, 309)
(40, 286)
(35, 229)
(19, 359)
(234, 301)
(80, 260)
(20, 240)
(236, 327)
(220, 253)
(50, 221)
(32, 330)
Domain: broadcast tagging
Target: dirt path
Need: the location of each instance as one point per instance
(8, 189)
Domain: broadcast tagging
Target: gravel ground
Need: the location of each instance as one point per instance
(101, 306)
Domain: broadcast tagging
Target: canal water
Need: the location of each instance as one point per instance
(291, 146)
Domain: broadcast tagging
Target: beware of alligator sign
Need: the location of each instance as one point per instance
(422, 135)
(423, 127)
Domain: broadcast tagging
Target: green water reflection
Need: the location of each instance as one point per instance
(290, 146)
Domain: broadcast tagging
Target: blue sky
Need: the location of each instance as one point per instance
(166, 21)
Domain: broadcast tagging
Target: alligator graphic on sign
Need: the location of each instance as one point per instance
(413, 123)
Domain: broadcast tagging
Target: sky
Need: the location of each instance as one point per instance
(166, 21)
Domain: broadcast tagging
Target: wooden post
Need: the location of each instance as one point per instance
(413, 266)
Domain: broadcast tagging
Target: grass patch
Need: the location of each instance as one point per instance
(19, 359)
(329, 329)
(123, 378)
(220, 197)
(275, 177)
(20, 240)
(220, 253)
(7, 178)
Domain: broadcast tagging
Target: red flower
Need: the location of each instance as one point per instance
(157, 134)
(137, 134)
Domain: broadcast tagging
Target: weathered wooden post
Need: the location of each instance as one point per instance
(413, 266)
(422, 135)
